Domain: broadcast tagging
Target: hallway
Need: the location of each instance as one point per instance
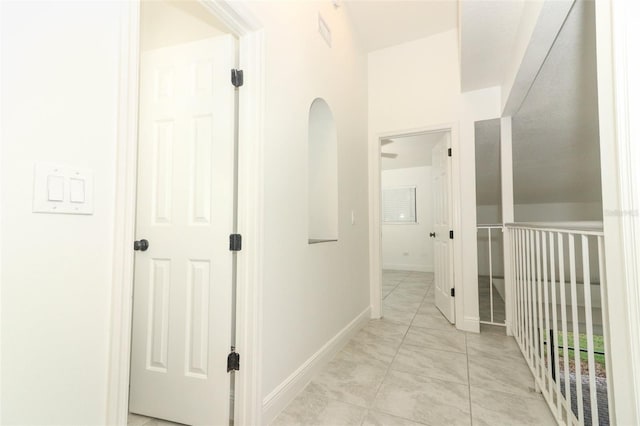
(414, 368)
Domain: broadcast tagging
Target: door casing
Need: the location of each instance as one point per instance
(375, 221)
(242, 23)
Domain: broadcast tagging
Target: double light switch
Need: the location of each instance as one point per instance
(62, 189)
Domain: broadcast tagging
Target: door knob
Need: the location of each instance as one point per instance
(141, 245)
(432, 234)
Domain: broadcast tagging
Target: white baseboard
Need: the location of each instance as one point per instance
(408, 267)
(285, 392)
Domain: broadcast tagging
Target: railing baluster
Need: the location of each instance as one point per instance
(534, 306)
(523, 310)
(523, 293)
(539, 335)
(513, 282)
(530, 320)
(490, 275)
(565, 338)
(545, 277)
(554, 304)
(589, 328)
(523, 301)
(575, 327)
(516, 280)
(517, 296)
(605, 311)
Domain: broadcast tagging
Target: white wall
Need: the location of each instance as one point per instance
(59, 89)
(311, 292)
(408, 246)
(415, 84)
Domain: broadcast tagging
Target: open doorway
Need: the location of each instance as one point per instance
(415, 228)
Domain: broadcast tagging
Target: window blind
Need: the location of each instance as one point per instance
(399, 205)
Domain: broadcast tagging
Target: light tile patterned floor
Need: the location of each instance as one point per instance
(414, 368)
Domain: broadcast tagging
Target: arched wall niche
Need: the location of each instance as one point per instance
(323, 173)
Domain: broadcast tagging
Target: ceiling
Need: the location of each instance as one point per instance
(384, 23)
(488, 30)
(412, 151)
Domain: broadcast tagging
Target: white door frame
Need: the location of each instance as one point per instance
(248, 397)
(375, 230)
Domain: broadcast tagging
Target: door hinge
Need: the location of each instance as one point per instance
(233, 360)
(451, 235)
(453, 292)
(235, 242)
(237, 78)
(449, 152)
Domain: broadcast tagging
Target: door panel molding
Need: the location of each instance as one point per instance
(248, 397)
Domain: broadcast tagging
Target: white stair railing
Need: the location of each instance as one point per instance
(559, 315)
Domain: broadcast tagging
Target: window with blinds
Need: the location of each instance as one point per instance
(399, 205)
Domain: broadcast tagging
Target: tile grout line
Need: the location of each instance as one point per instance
(466, 346)
(393, 289)
(398, 349)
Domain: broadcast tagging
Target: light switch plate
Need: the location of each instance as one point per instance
(62, 189)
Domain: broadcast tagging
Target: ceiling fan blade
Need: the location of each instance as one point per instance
(388, 155)
(386, 141)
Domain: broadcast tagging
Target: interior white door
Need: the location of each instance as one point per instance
(442, 246)
(183, 283)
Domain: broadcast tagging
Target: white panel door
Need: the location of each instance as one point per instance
(182, 292)
(442, 246)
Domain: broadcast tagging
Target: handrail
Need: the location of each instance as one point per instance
(584, 228)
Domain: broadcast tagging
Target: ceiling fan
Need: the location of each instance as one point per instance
(384, 142)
